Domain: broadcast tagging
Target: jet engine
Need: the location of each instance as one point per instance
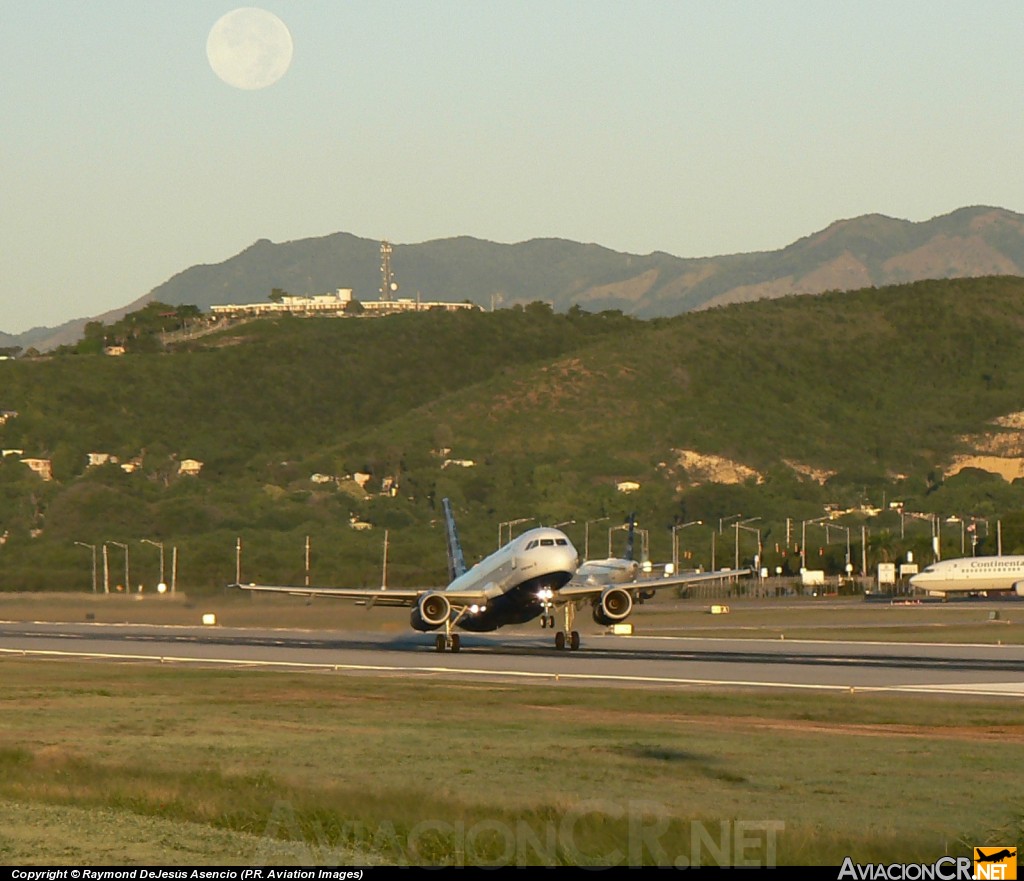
(431, 612)
(613, 606)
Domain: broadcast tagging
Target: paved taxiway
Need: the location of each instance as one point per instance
(522, 655)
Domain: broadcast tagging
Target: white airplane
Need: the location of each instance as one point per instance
(530, 577)
(625, 570)
(981, 575)
(613, 570)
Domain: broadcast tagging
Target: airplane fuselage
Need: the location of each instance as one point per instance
(615, 570)
(515, 577)
(972, 575)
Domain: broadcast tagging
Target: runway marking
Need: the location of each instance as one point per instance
(1008, 689)
(992, 689)
(843, 642)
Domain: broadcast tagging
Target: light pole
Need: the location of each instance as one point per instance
(638, 530)
(306, 557)
(849, 562)
(723, 520)
(160, 545)
(586, 536)
(510, 524)
(93, 549)
(828, 540)
(739, 525)
(803, 541)
(675, 542)
(127, 577)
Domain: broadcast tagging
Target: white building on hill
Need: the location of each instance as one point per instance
(331, 305)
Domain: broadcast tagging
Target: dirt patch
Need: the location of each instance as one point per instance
(995, 733)
(1000, 451)
(1007, 468)
(701, 468)
(819, 475)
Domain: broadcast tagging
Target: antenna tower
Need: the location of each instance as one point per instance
(388, 285)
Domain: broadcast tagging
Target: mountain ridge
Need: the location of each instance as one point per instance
(852, 253)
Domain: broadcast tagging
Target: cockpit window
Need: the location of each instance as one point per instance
(561, 542)
(547, 541)
(531, 545)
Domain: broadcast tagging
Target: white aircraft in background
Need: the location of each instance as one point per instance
(532, 576)
(613, 570)
(627, 570)
(972, 575)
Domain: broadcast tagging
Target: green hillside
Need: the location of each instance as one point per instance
(874, 392)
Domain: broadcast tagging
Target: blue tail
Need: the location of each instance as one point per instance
(630, 534)
(456, 561)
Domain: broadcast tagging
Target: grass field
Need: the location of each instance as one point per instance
(105, 763)
(128, 763)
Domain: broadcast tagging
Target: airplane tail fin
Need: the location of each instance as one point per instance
(456, 561)
(630, 535)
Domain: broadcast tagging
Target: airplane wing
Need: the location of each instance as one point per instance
(376, 596)
(580, 589)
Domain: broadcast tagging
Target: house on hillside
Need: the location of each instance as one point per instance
(190, 467)
(42, 467)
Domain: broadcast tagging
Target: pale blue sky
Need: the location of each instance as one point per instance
(696, 128)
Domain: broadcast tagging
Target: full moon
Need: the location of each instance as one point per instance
(249, 48)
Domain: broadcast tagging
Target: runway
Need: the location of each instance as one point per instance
(521, 655)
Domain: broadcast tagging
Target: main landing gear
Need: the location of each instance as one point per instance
(574, 640)
(566, 636)
(447, 641)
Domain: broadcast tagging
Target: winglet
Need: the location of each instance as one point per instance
(456, 561)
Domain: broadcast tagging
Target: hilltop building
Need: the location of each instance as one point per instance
(338, 304)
